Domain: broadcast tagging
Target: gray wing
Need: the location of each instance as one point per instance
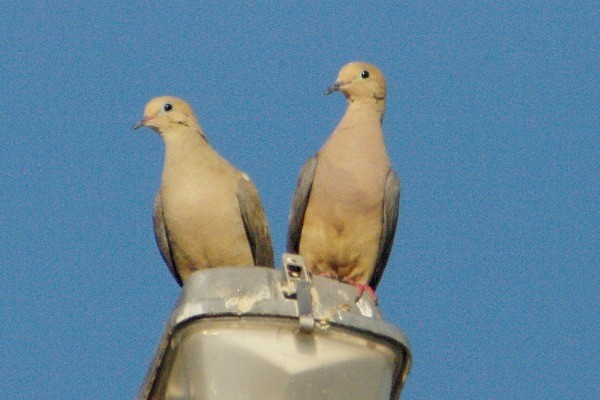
(299, 203)
(391, 201)
(255, 224)
(162, 238)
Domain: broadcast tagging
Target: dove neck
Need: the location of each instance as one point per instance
(364, 112)
(358, 132)
(184, 143)
(364, 107)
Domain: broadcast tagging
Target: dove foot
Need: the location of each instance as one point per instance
(361, 288)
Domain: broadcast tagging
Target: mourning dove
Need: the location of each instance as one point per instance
(206, 213)
(345, 208)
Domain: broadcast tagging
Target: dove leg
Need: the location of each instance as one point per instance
(361, 288)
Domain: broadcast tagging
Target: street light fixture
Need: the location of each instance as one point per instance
(257, 333)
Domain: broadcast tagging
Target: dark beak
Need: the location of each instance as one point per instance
(333, 88)
(139, 124)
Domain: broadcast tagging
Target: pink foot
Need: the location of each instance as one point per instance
(365, 288)
(361, 288)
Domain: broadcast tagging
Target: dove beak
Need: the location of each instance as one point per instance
(333, 88)
(140, 123)
(336, 86)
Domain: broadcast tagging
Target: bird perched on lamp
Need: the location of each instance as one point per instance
(206, 213)
(345, 207)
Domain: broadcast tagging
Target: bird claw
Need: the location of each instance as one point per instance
(361, 288)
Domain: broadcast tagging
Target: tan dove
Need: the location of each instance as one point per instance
(206, 213)
(345, 208)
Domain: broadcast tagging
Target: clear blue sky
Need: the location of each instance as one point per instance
(492, 124)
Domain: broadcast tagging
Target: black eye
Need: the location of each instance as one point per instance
(364, 74)
(168, 107)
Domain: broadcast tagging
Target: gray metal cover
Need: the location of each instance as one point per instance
(252, 297)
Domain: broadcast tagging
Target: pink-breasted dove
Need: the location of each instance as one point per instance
(345, 208)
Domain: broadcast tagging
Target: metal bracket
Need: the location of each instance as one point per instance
(298, 285)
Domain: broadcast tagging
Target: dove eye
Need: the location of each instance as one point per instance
(364, 74)
(168, 107)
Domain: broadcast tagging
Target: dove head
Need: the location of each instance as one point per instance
(359, 81)
(165, 113)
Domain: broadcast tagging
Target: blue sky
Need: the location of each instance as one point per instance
(492, 124)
